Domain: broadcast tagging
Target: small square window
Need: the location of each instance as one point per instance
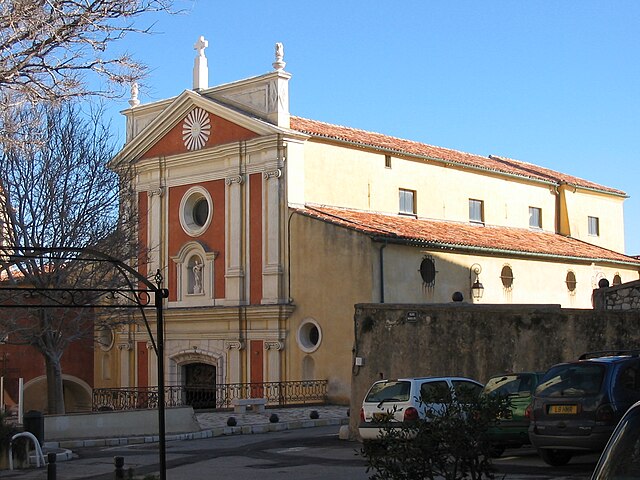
(594, 226)
(387, 161)
(476, 211)
(407, 201)
(535, 217)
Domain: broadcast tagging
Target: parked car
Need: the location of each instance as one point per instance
(621, 457)
(401, 400)
(578, 404)
(512, 430)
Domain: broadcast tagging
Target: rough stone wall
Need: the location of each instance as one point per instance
(476, 341)
(623, 297)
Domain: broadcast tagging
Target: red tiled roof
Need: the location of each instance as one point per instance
(463, 236)
(491, 163)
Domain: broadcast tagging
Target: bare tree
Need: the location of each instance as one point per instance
(58, 192)
(48, 46)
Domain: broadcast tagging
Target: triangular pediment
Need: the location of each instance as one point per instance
(189, 122)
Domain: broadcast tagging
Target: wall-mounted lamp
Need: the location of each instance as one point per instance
(477, 289)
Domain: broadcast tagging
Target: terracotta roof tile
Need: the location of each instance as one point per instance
(464, 236)
(491, 163)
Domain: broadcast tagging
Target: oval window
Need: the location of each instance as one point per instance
(571, 281)
(428, 271)
(506, 275)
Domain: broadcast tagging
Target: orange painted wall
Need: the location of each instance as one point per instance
(23, 361)
(222, 131)
(255, 239)
(213, 236)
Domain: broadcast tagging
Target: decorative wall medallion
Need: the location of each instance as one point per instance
(196, 129)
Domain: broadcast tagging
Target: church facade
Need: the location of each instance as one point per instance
(268, 228)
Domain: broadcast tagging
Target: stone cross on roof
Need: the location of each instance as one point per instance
(200, 67)
(200, 45)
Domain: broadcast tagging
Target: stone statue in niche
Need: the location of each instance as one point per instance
(197, 277)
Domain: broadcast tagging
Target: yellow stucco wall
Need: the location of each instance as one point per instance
(358, 178)
(330, 272)
(333, 268)
(581, 204)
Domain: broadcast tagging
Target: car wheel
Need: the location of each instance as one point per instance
(497, 451)
(555, 458)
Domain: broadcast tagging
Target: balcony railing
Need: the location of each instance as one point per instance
(212, 397)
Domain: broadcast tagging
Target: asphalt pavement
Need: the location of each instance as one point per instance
(212, 424)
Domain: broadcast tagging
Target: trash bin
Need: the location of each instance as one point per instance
(33, 422)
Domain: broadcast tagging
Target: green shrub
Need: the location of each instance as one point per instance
(450, 442)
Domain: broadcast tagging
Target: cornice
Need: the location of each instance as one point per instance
(206, 314)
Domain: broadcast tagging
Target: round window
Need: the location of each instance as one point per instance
(571, 281)
(195, 211)
(309, 336)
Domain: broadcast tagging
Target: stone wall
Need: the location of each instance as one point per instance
(476, 341)
(623, 297)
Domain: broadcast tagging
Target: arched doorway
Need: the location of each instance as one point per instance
(199, 385)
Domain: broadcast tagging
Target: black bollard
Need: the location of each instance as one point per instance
(119, 471)
(51, 466)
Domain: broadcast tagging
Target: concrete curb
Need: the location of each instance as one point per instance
(202, 434)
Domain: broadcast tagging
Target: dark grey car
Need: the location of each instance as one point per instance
(578, 404)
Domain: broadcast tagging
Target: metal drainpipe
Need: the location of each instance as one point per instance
(384, 245)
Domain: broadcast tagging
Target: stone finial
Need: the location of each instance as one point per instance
(200, 67)
(279, 64)
(133, 101)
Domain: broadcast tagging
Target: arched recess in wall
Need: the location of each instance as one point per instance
(77, 394)
(308, 368)
(195, 273)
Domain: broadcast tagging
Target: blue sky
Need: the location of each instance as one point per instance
(555, 83)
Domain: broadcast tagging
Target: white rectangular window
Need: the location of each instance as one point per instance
(476, 211)
(407, 201)
(535, 217)
(594, 226)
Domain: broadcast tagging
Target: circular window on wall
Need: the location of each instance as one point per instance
(196, 211)
(309, 335)
(571, 281)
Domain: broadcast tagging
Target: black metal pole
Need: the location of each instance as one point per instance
(51, 466)
(160, 294)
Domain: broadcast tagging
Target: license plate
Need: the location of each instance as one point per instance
(563, 409)
(382, 417)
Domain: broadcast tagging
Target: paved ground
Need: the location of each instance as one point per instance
(212, 424)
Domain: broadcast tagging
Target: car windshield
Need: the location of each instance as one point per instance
(572, 380)
(389, 391)
(521, 384)
(621, 459)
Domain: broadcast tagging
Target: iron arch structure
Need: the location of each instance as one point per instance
(127, 290)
